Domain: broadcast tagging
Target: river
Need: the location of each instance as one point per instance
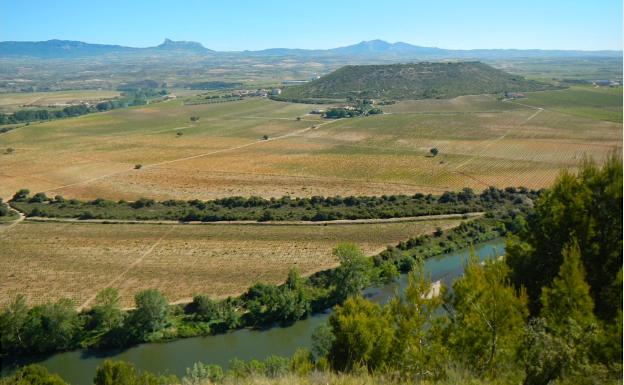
(78, 367)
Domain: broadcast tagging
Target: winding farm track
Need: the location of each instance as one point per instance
(19, 219)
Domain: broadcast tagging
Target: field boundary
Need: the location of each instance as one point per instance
(343, 222)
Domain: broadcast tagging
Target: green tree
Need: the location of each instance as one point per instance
(124, 373)
(12, 322)
(414, 352)
(20, 195)
(205, 309)
(200, 374)
(586, 207)
(32, 375)
(301, 362)
(322, 340)
(568, 296)
(543, 355)
(53, 326)
(363, 335)
(228, 314)
(487, 317)
(293, 281)
(562, 342)
(106, 312)
(151, 312)
(354, 272)
(388, 272)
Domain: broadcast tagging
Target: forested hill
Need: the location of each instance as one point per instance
(412, 81)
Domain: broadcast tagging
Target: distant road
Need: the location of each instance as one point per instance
(256, 223)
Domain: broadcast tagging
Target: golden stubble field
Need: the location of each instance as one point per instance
(482, 141)
(48, 261)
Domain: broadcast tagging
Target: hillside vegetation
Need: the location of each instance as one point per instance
(412, 81)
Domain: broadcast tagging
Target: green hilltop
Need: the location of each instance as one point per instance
(423, 80)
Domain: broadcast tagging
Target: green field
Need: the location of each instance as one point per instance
(602, 103)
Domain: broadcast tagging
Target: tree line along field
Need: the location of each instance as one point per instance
(482, 141)
(10, 102)
(48, 261)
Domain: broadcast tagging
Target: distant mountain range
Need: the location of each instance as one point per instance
(367, 49)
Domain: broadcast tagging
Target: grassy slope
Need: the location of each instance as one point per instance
(412, 81)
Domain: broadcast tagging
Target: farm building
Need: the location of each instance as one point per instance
(513, 95)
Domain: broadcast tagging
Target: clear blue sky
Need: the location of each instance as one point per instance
(247, 24)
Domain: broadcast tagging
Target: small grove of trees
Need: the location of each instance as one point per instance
(585, 209)
(130, 97)
(481, 332)
(58, 326)
(32, 115)
(269, 304)
(484, 330)
(41, 329)
(339, 113)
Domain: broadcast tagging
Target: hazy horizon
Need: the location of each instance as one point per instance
(354, 43)
(454, 24)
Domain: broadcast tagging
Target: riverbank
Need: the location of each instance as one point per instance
(173, 357)
(260, 307)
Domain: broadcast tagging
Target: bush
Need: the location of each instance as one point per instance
(33, 375)
(151, 312)
(21, 195)
(204, 308)
(200, 373)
